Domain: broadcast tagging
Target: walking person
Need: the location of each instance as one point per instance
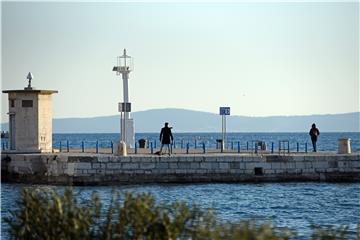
(314, 133)
(166, 137)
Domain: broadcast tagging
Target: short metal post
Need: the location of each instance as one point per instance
(256, 147)
(174, 145)
(97, 146)
(272, 147)
(82, 146)
(297, 147)
(112, 147)
(247, 146)
(182, 144)
(148, 142)
(135, 148)
(67, 145)
(155, 144)
(187, 148)
(151, 148)
(306, 147)
(288, 147)
(60, 147)
(232, 145)
(204, 150)
(238, 146)
(279, 146)
(222, 147)
(195, 143)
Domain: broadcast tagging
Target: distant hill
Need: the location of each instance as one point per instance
(195, 121)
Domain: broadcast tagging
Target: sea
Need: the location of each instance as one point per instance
(297, 206)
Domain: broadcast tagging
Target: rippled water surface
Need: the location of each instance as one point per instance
(293, 205)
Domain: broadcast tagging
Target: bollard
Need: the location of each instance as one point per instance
(204, 151)
(306, 147)
(297, 147)
(187, 148)
(151, 147)
(195, 144)
(272, 147)
(112, 147)
(288, 145)
(182, 144)
(82, 146)
(238, 146)
(60, 147)
(97, 146)
(256, 147)
(135, 148)
(279, 146)
(247, 146)
(67, 145)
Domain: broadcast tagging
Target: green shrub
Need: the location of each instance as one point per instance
(50, 215)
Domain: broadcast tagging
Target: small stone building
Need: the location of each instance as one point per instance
(30, 119)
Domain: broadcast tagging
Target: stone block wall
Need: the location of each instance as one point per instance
(85, 169)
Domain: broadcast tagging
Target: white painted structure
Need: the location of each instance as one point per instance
(30, 119)
(124, 67)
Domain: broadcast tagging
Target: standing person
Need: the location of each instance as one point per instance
(166, 137)
(314, 133)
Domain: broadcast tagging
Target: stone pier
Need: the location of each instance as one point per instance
(105, 169)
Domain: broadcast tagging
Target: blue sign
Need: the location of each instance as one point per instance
(224, 110)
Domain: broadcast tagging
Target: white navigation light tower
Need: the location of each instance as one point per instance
(124, 67)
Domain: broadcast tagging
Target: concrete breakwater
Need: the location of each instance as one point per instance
(104, 169)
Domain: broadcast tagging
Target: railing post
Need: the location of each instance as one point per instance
(306, 147)
(204, 150)
(247, 146)
(232, 145)
(256, 147)
(174, 145)
(195, 143)
(155, 143)
(279, 146)
(297, 147)
(97, 146)
(60, 146)
(151, 147)
(67, 145)
(187, 148)
(82, 146)
(112, 147)
(182, 143)
(135, 148)
(7, 145)
(288, 145)
(272, 147)
(238, 146)
(3, 146)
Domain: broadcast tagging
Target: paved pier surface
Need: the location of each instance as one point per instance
(103, 169)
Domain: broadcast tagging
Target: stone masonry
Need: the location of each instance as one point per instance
(104, 169)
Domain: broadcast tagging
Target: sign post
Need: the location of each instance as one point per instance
(223, 112)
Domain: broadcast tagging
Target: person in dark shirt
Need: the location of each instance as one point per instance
(166, 137)
(314, 133)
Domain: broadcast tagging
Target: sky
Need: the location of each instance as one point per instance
(260, 59)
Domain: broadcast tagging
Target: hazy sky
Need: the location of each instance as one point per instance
(260, 59)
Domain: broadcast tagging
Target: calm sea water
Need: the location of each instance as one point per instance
(293, 205)
(326, 141)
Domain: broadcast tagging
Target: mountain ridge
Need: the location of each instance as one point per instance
(183, 120)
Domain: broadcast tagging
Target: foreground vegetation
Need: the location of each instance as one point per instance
(52, 215)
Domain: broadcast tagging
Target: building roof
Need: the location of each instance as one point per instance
(38, 91)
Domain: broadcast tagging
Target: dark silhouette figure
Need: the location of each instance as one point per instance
(166, 137)
(314, 133)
